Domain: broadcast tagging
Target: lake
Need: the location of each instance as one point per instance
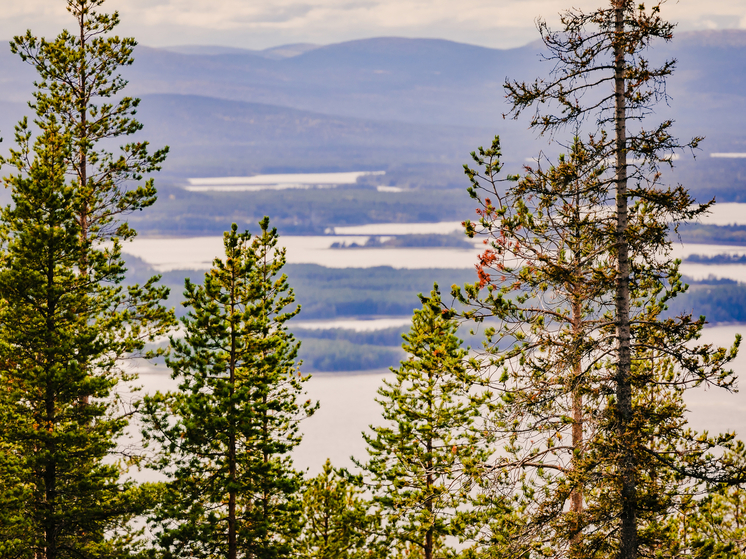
(193, 253)
(348, 407)
(276, 182)
(727, 213)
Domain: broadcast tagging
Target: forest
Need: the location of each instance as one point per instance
(559, 431)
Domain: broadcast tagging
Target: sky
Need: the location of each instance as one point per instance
(259, 24)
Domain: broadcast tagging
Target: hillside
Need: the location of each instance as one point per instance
(389, 102)
(214, 137)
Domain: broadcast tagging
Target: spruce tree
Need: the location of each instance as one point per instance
(224, 438)
(62, 336)
(433, 437)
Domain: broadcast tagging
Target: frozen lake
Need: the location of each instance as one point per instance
(348, 407)
(276, 182)
(194, 253)
(185, 253)
(728, 213)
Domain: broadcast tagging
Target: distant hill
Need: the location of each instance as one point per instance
(215, 137)
(274, 53)
(377, 103)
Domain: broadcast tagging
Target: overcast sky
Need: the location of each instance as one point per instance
(266, 23)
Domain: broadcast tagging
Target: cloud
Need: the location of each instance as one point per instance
(265, 23)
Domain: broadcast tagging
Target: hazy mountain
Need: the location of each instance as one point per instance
(423, 81)
(379, 103)
(274, 53)
(214, 137)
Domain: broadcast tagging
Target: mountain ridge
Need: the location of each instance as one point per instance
(384, 102)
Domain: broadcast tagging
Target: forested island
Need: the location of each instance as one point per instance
(557, 430)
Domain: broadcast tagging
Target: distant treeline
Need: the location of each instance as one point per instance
(329, 293)
(711, 234)
(454, 240)
(296, 212)
(718, 301)
(716, 259)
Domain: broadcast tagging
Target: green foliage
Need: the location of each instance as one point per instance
(547, 273)
(713, 527)
(337, 521)
(224, 439)
(76, 70)
(432, 439)
(62, 338)
(66, 324)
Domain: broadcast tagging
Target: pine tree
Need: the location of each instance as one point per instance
(337, 520)
(62, 336)
(603, 85)
(64, 488)
(433, 437)
(547, 279)
(77, 91)
(225, 437)
(548, 275)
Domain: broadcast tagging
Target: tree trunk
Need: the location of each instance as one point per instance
(576, 497)
(50, 483)
(428, 548)
(232, 542)
(83, 163)
(626, 457)
(50, 468)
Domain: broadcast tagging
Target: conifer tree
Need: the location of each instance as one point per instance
(78, 92)
(62, 336)
(432, 437)
(712, 527)
(64, 488)
(337, 521)
(224, 438)
(547, 272)
(606, 47)
(546, 279)
(603, 85)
